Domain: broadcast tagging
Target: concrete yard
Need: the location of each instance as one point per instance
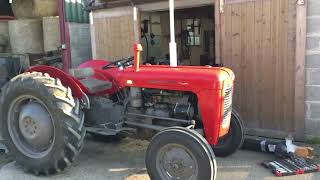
(125, 161)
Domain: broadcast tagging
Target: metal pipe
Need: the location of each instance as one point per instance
(173, 44)
(163, 118)
(147, 126)
(7, 17)
(64, 36)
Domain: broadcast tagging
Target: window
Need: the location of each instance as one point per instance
(194, 28)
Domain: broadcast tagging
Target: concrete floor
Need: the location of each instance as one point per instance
(125, 161)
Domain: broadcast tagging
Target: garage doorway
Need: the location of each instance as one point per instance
(195, 36)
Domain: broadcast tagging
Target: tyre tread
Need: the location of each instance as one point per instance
(73, 120)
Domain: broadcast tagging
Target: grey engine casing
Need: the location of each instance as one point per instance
(103, 111)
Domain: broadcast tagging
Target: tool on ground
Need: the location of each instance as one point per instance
(282, 149)
(291, 166)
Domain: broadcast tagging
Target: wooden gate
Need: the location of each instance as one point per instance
(258, 41)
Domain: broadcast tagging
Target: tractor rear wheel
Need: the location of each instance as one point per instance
(42, 123)
(232, 141)
(180, 153)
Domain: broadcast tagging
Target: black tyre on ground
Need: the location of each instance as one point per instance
(180, 153)
(41, 122)
(233, 141)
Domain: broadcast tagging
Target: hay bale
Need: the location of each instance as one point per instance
(4, 33)
(34, 8)
(51, 33)
(26, 36)
(4, 36)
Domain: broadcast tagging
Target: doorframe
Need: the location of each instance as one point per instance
(299, 91)
(184, 4)
(218, 34)
(179, 4)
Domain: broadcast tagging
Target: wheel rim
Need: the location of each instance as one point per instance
(30, 126)
(176, 162)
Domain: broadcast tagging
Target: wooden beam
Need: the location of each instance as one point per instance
(237, 1)
(217, 32)
(299, 96)
(112, 12)
(179, 4)
(266, 133)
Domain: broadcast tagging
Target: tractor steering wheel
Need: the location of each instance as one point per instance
(120, 63)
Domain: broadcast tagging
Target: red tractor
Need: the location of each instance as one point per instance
(187, 111)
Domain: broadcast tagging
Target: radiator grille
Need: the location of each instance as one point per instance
(227, 106)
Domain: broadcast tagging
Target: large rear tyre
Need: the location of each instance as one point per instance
(42, 123)
(180, 153)
(232, 141)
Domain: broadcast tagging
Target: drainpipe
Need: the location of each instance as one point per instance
(173, 44)
(64, 36)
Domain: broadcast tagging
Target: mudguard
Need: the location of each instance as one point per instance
(78, 89)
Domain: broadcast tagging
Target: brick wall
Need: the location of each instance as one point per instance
(313, 69)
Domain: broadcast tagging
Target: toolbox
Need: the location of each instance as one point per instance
(291, 166)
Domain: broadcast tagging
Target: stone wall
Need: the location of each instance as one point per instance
(313, 69)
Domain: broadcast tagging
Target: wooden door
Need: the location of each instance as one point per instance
(258, 44)
(114, 32)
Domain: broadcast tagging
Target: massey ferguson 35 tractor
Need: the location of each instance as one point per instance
(186, 111)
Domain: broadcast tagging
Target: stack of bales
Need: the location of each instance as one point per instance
(4, 37)
(36, 28)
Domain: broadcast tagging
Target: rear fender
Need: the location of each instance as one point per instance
(78, 90)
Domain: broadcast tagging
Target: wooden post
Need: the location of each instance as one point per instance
(64, 37)
(299, 95)
(217, 25)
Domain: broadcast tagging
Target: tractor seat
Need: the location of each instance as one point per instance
(95, 86)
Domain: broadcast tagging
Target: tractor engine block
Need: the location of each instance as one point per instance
(164, 103)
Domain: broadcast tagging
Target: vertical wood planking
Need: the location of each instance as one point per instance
(114, 33)
(258, 58)
(236, 51)
(275, 34)
(244, 59)
(299, 69)
(228, 37)
(217, 27)
(291, 65)
(283, 74)
(258, 40)
(267, 97)
(250, 93)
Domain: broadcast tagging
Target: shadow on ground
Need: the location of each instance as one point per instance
(125, 161)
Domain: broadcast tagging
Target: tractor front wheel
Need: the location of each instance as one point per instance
(232, 141)
(180, 153)
(41, 122)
